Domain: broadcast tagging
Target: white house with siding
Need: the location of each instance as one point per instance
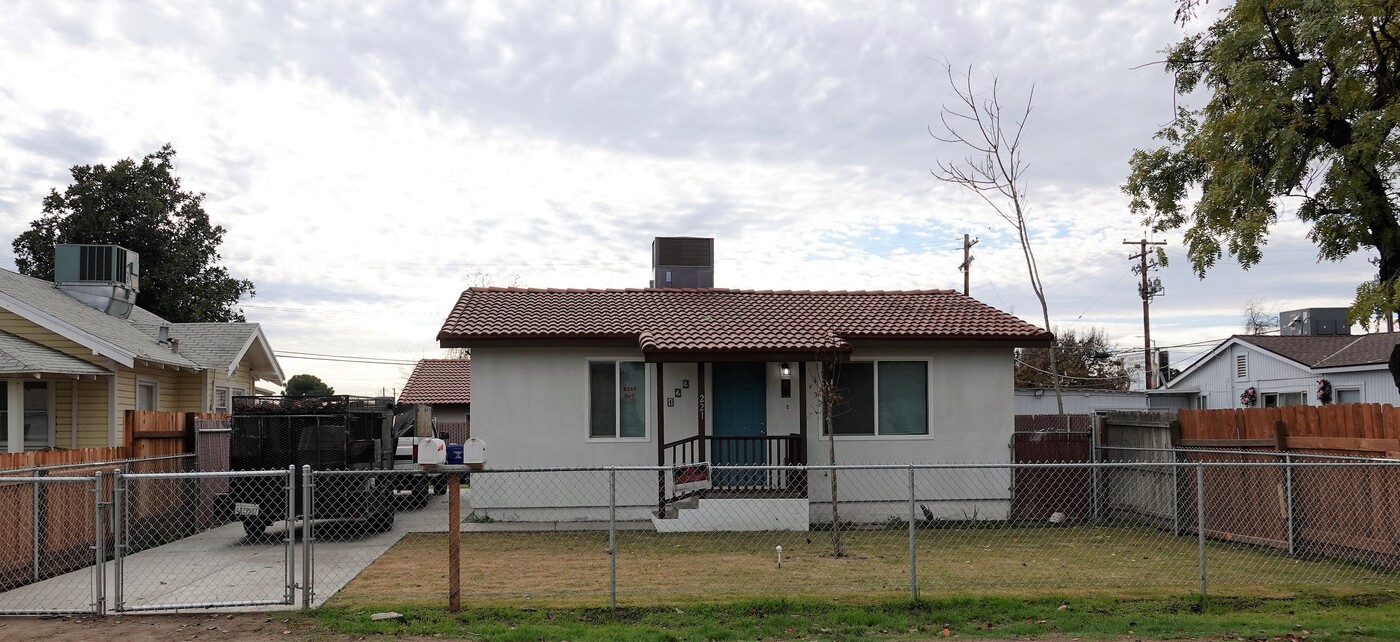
(1285, 370)
(673, 377)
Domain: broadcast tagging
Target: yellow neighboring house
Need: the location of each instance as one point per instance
(76, 354)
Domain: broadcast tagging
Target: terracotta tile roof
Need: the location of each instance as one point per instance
(1330, 351)
(439, 381)
(716, 320)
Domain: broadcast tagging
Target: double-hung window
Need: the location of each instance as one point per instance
(885, 398)
(617, 393)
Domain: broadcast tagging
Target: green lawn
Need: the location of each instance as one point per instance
(570, 569)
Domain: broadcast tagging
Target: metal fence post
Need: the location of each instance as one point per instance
(34, 523)
(99, 547)
(1094, 468)
(913, 555)
(1288, 500)
(289, 542)
(1201, 522)
(119, 537)
(307, 556)
(612, 538)
(1176, 499)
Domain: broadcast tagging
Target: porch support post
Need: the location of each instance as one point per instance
(802, 412)
(660, 439)
(700, 411)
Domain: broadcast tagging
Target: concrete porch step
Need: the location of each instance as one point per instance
(735, 514)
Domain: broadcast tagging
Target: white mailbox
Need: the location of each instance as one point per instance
(432, 451)
(474, 453)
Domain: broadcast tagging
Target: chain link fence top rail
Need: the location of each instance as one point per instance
(544, 536)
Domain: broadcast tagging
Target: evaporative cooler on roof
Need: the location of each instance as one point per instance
(683, 262)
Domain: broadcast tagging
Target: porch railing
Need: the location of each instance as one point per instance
(766, 450)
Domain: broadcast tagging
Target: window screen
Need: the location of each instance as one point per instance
(145, 396)
(632, 378)
(602, 405)
(855, 414)
(903, 397)
(36, 415)
(1349, 395)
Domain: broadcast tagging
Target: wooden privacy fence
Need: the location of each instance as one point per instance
(1039, 493)
(1343, 511)
(48, 528)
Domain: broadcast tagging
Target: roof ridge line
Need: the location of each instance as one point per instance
(498, 289)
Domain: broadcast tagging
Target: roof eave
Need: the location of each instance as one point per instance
(68, 331)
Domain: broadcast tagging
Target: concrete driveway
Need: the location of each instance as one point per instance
(222, 565)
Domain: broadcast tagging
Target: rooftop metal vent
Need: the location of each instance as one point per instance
(106, 277)
(683, 262)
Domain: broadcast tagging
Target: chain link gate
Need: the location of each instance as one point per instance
(172, 532)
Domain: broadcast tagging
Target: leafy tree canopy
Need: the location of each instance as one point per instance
(141, 207)
(1085, 361)
(1305, 96)
(306, 385)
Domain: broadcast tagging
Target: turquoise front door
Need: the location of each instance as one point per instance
(740, 422)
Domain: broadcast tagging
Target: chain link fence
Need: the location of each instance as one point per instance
(647, 535)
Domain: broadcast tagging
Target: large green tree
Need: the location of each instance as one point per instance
(1304, 97)
(140, 206)
(1085, 360)
(307, 385)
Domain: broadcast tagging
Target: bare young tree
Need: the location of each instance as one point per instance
(1257, 320)
(480, 279)
(829, 396)
(993, 168)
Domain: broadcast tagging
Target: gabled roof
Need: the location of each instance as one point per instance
(439, 381)
(1330, 352)
(216, 346)
(44, 304)
(221, 346)
(718, 320)
(20, 356)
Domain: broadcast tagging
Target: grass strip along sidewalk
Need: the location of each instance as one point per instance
(1316, 616)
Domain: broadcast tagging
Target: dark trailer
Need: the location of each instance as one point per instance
(337, 432)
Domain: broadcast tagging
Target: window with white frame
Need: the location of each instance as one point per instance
(38, 419)
(1281, 399)
(617, 393)
(26, 416)
(1346, 395)
(221, 399)
(881, 398)
(147, 395)
(1202, 402)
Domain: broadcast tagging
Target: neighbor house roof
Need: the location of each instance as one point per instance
(20, 356)
(221, 346)
(1313, 352)
(202, 345)
(1330, 351)
(41, 302)
(717, 320)
(439, 381)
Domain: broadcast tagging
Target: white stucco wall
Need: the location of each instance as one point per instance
(530, 407)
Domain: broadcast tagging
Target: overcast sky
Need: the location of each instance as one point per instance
(369, 158)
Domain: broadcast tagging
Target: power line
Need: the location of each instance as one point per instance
(314, 356)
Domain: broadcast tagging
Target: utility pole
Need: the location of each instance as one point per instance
(966, 267)
(1147, 290)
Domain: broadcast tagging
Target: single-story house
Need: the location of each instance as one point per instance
(1285, 370)
(444, 385)
(71, 361)
(674, 377)
(1077, 401)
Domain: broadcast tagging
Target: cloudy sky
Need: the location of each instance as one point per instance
(372, 159)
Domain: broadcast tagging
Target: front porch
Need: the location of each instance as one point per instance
(733, 413)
